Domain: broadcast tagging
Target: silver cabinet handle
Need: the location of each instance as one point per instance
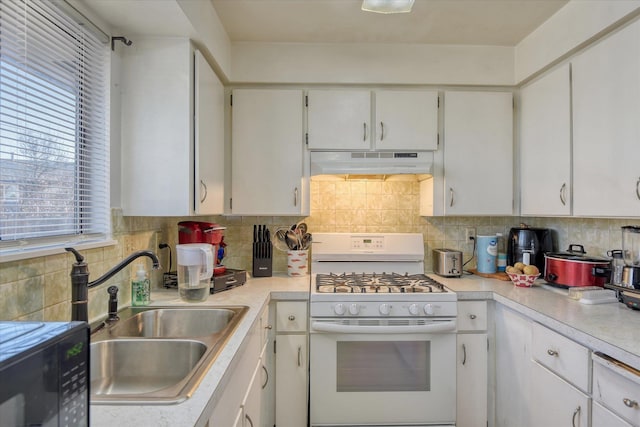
(295, 196)
(451, 196)
(575, 414)
(563, 194)
(266, 380)
(364, 134)
(299, 356)
(292, 317)
(203, 185)
(630, 403)
(552, 352)
(381, 131)
(638, 188)
(248, 419)
(268, 327)
(472, 316)
(464, 354)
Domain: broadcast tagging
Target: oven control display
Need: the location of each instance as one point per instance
(368, 243)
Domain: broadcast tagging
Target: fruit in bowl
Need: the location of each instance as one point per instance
(523, 275)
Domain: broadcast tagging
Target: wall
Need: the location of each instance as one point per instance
(40, 289)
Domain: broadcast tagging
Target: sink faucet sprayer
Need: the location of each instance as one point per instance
(80, 280)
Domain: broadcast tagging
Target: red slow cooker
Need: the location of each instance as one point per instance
(575, 268)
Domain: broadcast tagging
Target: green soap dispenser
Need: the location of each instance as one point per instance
(141, 288)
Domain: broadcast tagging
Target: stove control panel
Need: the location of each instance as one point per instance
(383, 309)
(367, 243)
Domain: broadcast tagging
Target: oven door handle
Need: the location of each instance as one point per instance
(435, 327)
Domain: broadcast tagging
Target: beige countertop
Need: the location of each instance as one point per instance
(610, 328)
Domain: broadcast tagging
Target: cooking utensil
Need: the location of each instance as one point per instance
(305, 241)
(575, 268)
(302, 228)
(292, 240)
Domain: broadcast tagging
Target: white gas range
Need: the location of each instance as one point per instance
(382, 335)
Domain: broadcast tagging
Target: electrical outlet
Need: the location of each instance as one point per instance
(469, 233)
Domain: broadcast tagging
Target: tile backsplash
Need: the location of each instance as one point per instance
(40, 289)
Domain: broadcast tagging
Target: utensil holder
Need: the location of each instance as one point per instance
(262, 259)
(297, 262)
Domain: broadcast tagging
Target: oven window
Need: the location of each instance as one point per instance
(383, 366)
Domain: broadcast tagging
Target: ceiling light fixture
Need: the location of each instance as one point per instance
(387, 6)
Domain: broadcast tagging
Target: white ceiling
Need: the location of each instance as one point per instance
(462, 22)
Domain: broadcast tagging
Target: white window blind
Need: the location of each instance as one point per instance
(54, 151)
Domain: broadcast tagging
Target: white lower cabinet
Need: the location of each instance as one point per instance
(472, 366)
(555, 402)
(292, 373)
(602, 417)
(616, 386)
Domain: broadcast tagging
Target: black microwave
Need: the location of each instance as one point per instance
(44, 374)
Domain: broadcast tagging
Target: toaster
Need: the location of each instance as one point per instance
(447, 262)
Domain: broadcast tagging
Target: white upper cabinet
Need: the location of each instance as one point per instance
(267, 153)
(399, 120)
(478, 154)
(406, 120)
(339, 119)
(545, 145)
(172, 150)
(606, 126)
(209, 139)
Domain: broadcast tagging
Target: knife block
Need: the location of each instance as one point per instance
(262, 259)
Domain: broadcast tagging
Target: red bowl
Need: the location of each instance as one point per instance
(523, 280)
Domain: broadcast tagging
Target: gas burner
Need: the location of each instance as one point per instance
(377, 283)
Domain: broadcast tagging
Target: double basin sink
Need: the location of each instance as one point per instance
(158, 355)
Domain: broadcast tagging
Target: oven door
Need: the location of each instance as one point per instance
(382, 376)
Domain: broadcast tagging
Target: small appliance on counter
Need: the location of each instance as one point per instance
(44, 371)
(575, 268)
(528, 245)
(447, 262)
(628, 288)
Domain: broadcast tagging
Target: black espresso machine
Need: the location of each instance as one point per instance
(529, 244)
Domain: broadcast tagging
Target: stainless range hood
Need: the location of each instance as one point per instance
(359, 163)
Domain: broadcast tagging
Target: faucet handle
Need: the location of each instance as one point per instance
(113, 304)
(79, 257)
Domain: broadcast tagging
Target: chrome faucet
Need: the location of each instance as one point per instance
(80, 280)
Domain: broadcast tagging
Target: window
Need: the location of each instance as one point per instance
(54, 157)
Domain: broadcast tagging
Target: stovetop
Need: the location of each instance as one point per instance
(372, 283)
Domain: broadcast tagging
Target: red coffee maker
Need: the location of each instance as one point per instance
(202, 232)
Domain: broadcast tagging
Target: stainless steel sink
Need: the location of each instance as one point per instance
(175, 322)
(158, 355)
(133, 367)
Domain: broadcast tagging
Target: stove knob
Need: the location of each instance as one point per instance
(414, 310)
(385, 309)
(339, 309)
(354, 309)
(428, 309)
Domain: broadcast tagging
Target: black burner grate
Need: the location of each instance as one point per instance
(377, 283)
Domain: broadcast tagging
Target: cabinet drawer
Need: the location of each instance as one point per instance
(617, 387)
(291, 316)
(563, 356)
(602, 417)
(472, 315)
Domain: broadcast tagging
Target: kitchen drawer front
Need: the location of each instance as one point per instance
(563, 356)
(617, 387)
(291, 316)
(472, 315)
(602, 417)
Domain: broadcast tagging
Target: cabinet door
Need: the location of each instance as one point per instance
(339, 119)
(555, 402)
(606, 129)
(478, 153)
(291, 380)
(406, 120)
(266, 152)
(252, 405)
(545, 145)
(513, 369)
(209, 140)
(472, 381)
